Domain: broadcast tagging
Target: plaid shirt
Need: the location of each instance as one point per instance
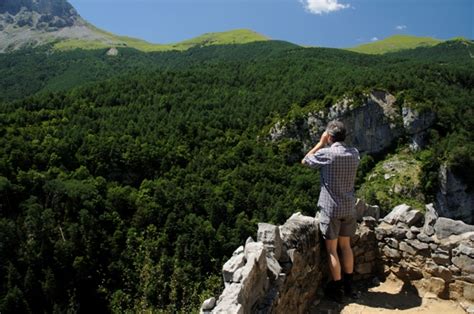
(338, 165)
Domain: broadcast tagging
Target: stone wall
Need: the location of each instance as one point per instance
(436, 254)
(282, 271)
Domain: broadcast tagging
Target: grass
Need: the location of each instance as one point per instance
(396, 43)
(239, 36)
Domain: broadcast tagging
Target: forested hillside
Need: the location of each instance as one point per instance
(128, 192)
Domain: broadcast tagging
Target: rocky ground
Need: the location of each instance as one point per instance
(390, 296)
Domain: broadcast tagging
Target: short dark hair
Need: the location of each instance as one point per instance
(337, 130)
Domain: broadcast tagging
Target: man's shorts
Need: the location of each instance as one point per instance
(332, 228)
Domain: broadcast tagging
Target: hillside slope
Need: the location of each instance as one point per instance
(395, 43)
(32, 23)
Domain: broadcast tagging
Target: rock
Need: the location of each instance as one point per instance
(410, 235)
(391, 253)
(238, 251)
(415, 122)
(454, 199)
(465, 263)
(208, 304)
(441, 257)
(464, 249)
(392, 243)
(249, 240)
(415, 230)
(274, 268)
(232, 265)
(445, 227)
(361, 208)
(432, 285)
(407, 248)
(112, 52)
(229, 300)
(430, 219)
(270, 236)
(404, 214)
(420, 246)
(369, 222)
(424, 238)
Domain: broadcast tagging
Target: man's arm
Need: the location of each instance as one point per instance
(322, 142)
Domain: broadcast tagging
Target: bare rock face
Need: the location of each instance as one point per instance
(454, 199)
(39, 14)
(372, 127)
(29, 23)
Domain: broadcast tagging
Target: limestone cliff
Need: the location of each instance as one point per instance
(372, 126)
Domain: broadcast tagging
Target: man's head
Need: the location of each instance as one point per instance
(337, 131)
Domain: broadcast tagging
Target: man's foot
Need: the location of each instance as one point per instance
(334, 291)
(348, 288)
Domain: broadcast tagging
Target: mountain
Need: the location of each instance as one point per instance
(31, 23)
(396, 43)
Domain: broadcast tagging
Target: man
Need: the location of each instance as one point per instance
(338, 163)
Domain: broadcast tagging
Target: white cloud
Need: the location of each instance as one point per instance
(401, 27)
(374, 39)
(323, 6)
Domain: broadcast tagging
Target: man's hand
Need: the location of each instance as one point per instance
(323, 141)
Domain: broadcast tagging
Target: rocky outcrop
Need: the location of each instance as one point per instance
(372, 126)
(454, 199)
(282, 271)
(29, 23)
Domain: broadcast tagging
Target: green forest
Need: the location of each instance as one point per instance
(126, 182)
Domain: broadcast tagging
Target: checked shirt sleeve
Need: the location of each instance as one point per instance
(320, 158)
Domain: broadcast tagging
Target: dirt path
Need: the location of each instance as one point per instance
(391, 296)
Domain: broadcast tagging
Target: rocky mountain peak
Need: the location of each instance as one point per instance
(47, 15)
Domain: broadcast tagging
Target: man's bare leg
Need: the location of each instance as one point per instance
(333, 259)
(334, 287)
(347, 266)
(347, 256)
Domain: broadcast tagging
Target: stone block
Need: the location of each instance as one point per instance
(393, 243)
(445, 227)
(232, 265)
(419, 246)
(270, 236)
(464, 249)
(404, 214)
(441, 259)
(391, 253)
(464, 262)
(407, 248)
(424, 238)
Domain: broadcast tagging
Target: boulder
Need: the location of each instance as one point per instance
(403, 214)
(208, 304)
(445, 227)
(231, 266)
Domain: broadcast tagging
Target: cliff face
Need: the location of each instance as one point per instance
(372, 126)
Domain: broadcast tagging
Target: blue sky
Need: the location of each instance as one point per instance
(327, 23)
